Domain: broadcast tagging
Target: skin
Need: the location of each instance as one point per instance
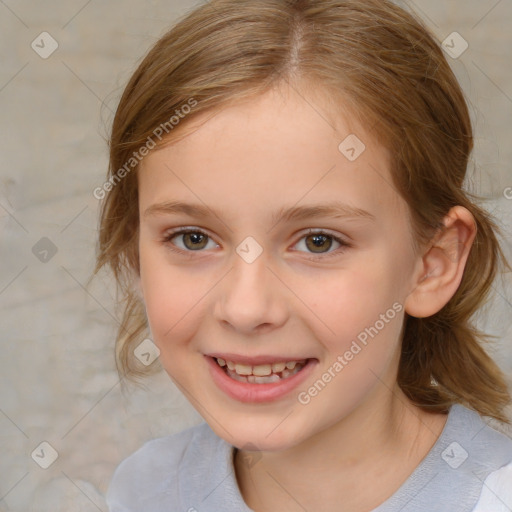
(360, 438)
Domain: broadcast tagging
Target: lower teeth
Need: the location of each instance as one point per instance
(267, 379)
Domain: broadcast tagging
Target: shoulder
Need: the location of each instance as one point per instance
(496, 491)
(154, 469)
(469, 465)
(488, 443)
(164, 453)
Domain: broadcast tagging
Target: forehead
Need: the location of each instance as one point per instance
(282, 147)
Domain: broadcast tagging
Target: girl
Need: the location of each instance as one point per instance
(285, 215)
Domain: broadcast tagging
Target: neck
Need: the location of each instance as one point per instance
(379, 443)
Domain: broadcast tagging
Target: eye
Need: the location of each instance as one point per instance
(319, 244)
(191, 240)
(316, 242)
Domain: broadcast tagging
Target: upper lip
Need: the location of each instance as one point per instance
(255, 360)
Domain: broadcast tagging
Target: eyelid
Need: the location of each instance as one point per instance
(187, 229)
(169, 235)
(324, 231)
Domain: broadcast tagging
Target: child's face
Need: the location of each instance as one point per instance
(305, 297)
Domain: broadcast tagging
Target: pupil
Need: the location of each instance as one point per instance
(319, 242)
(195, 239)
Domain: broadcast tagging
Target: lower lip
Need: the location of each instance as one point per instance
(257, 393)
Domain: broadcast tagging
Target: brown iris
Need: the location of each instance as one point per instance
(318, 242)
(197, 240)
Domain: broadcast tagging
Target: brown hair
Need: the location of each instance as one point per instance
(392, 72)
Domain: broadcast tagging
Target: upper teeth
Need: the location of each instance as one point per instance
(259, 370)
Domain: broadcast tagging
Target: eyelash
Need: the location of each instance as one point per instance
(183, 231)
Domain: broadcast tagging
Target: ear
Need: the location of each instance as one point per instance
(440, 270)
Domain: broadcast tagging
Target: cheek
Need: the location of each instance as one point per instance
(172, 301)
(362, 307)
(351, 300)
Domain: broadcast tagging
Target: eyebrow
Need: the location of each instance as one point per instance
(335, 210)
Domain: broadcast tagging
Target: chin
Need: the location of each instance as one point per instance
(264, 435)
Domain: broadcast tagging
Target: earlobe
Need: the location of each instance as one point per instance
(442, 266)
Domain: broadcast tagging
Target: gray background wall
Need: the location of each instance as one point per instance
(57, 378)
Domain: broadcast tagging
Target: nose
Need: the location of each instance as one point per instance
(251, 298)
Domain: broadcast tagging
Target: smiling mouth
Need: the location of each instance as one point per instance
(262, 373)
